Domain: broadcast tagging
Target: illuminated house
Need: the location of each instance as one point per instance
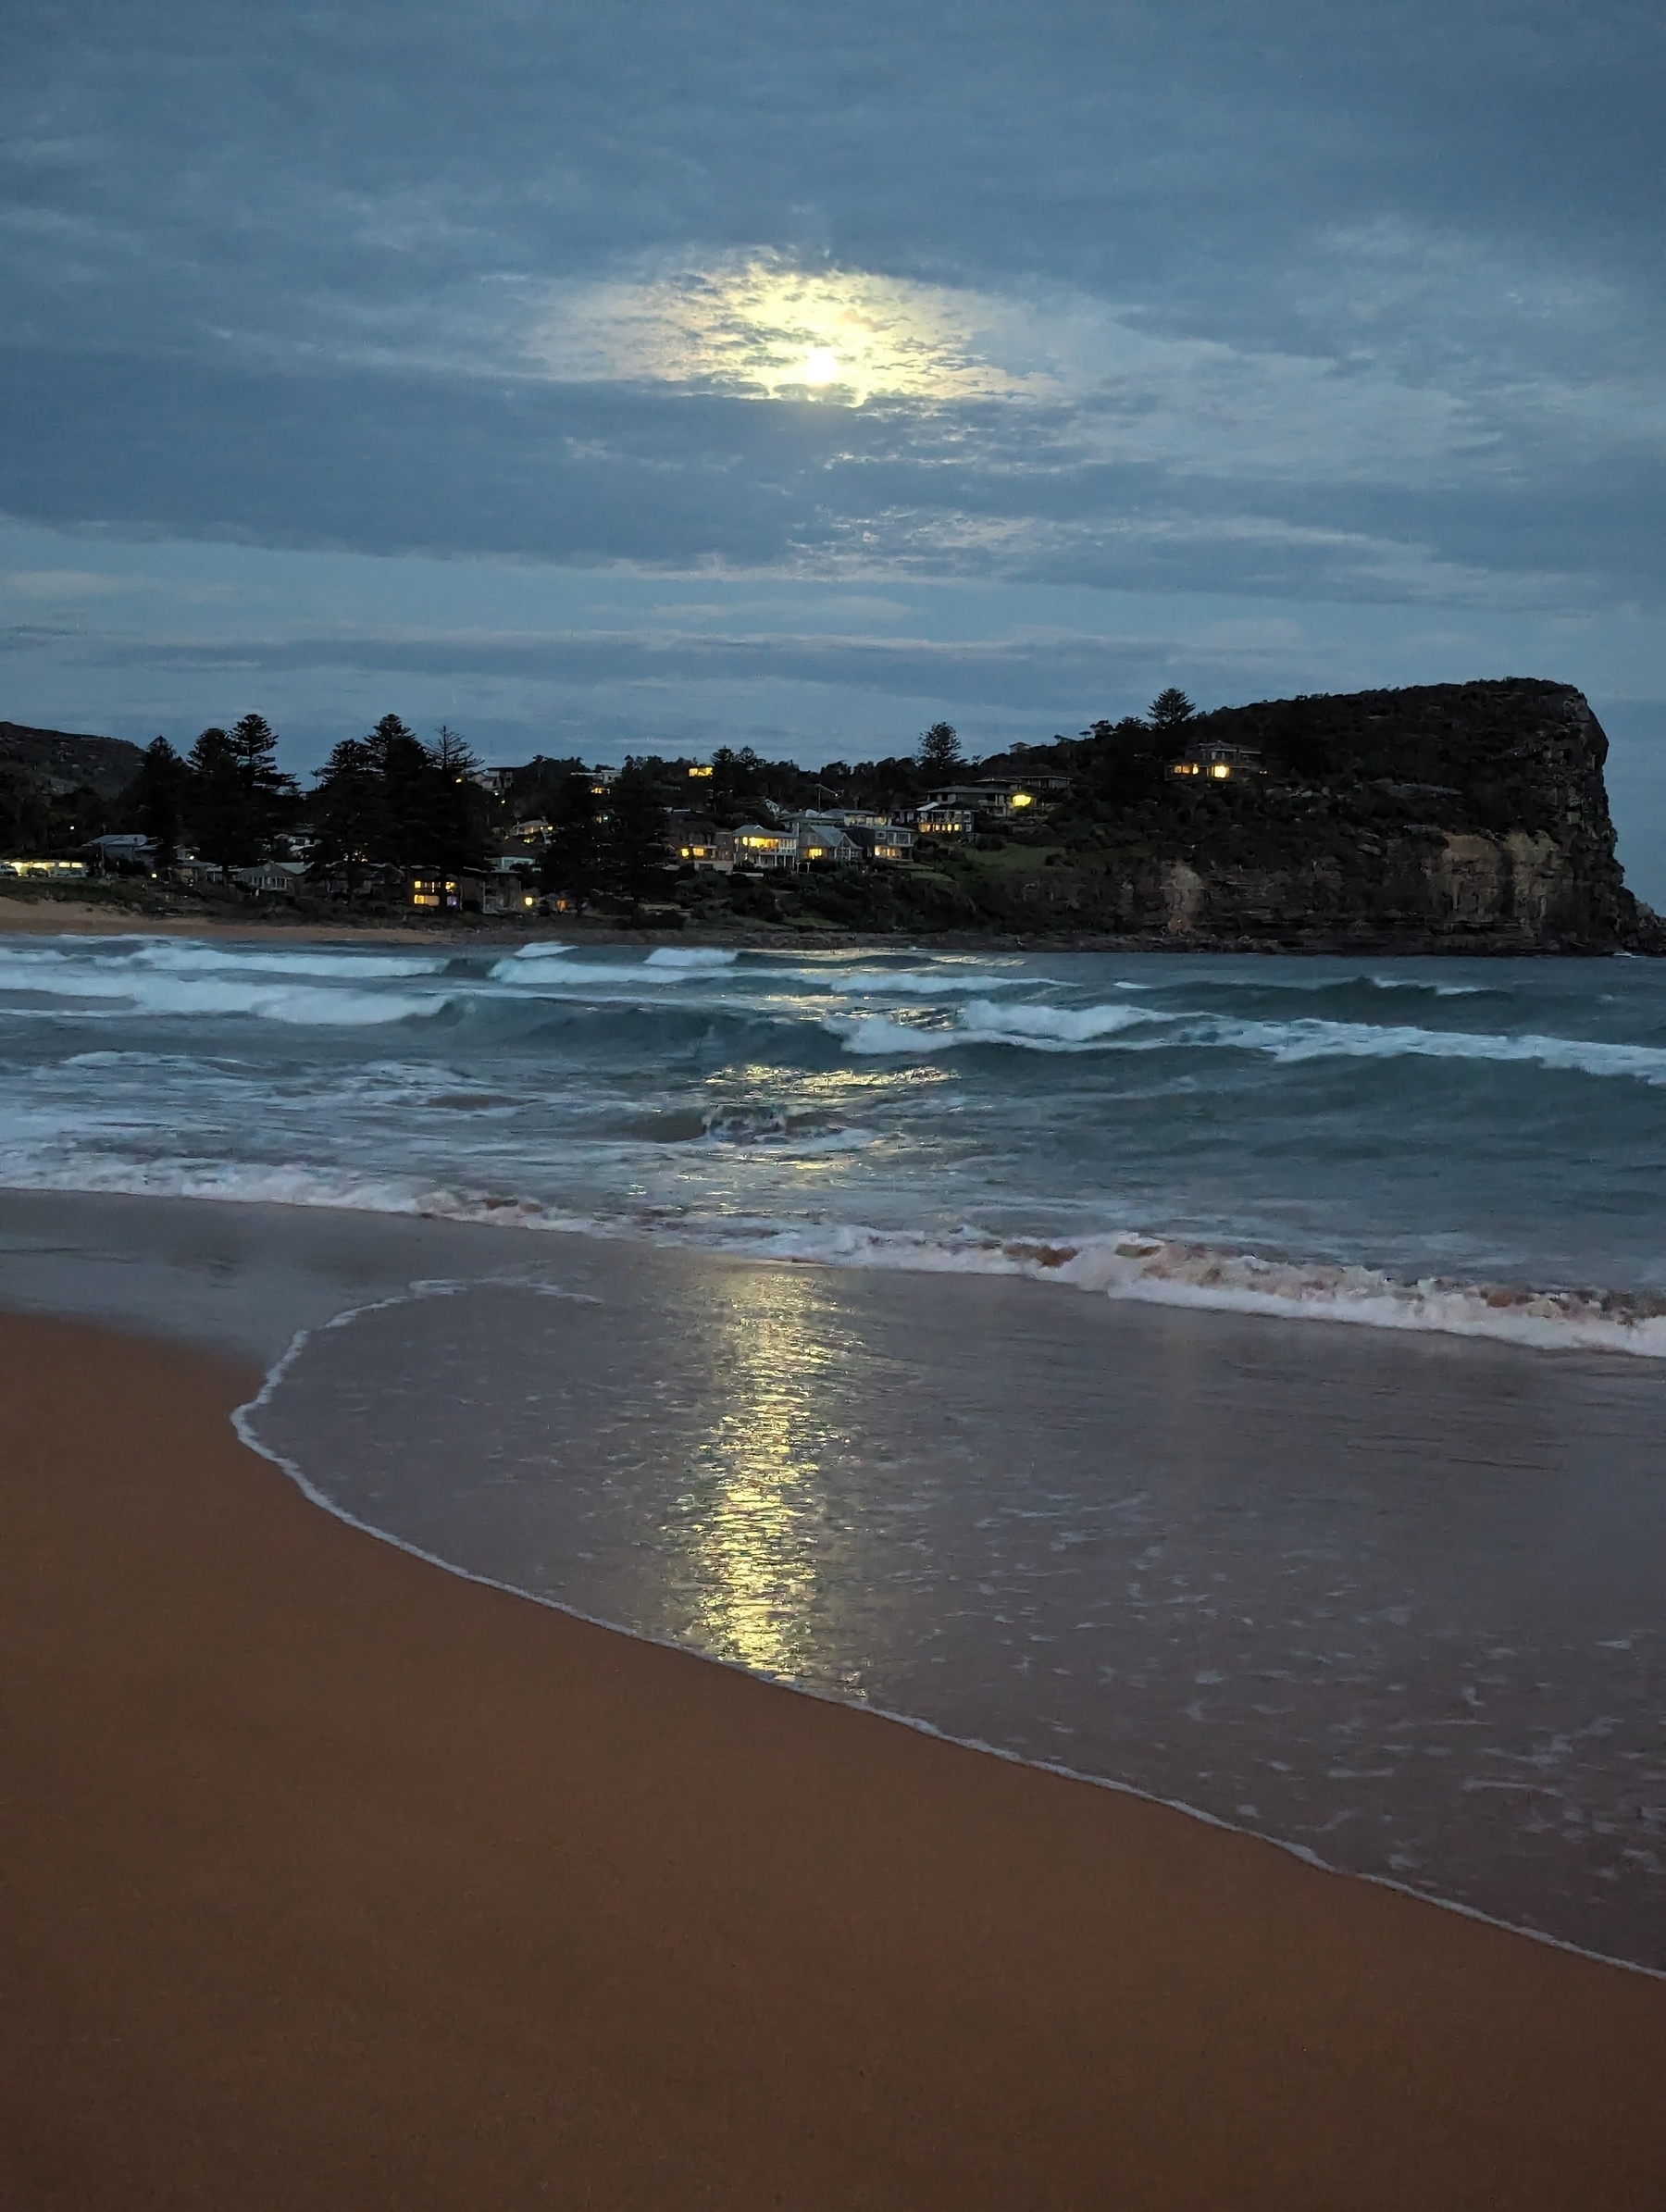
(757, 846)
(1004, 801)
(468, 891)
(1219, 764)
(823, 843)
(938, 821)
(698, 843)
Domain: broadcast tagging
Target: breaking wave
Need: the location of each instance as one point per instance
(1044, 1028)
(1117, 1265)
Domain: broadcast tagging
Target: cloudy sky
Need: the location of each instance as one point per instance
(593, 378)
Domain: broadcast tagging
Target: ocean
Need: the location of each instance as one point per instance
(1117, 1491)
(1460, 1145)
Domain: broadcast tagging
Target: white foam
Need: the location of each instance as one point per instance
(309, 1006)
(1028, 1026)
(877, 1034)
(1156, 1271)
(915, 983)
(695, 959)
(1054, 1028)
(1119, 1264)
(1315, 1039)
(188, 956)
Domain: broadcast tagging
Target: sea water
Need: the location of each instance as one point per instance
(1451, 1144)
(1393, 1599)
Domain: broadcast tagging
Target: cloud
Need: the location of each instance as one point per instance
(1310, 307)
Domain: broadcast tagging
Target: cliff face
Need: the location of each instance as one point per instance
(1450, 818)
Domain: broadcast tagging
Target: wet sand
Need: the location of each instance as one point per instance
(334, 1879)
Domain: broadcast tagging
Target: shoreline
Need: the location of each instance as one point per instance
(244, 1427)
(339, 1880)
(47, 916)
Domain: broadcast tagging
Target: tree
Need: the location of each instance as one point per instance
(399, 762)
(633, 843)
(736, 780)
(459, 805)
(1122, 768)
(155, 797)
(1169, 709)
(389, 799)
(572, 864)
(273, 795)
(345, 810)
(222, 811)
(941, 749)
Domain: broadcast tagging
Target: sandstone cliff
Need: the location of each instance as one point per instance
(1450, 817)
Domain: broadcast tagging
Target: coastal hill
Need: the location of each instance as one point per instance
(1443, 816)
(69, 760)
(1447, 817)
(58, 787)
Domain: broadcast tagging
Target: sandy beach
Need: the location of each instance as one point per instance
(334, 1879)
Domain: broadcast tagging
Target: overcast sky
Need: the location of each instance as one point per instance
(653, 375)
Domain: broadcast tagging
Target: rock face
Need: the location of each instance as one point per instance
(1447, 818)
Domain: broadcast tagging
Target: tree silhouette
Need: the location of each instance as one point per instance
(1169, 709)
(222, 812)
(633, 841)
(345, 810)
(156, 795)
(940, 748)
(572, 864)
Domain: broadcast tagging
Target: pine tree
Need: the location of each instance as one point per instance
(572, 865)
(155, 796)
(221, 809)
(1169, 709)
(459, 805)
(345, 810)
(633, 844)
(941, 749)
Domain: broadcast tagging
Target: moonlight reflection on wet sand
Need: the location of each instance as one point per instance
(1390, 1601)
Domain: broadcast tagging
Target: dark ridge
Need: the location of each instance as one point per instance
(70, 760)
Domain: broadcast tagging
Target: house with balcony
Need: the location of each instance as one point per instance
(824, 843)
(938, 819)
(695, 842)
(766, 845)
(996, 801)
(1218, 764)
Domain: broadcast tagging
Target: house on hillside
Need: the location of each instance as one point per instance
(1219, 764)
(698, 843)
(937, 819)
(761, 845)
(823, 843)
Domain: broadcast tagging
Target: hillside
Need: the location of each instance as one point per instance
(67, 761)
(1450, 818)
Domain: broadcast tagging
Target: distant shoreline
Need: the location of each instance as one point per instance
(24, 914)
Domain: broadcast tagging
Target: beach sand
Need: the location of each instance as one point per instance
(335, 1881)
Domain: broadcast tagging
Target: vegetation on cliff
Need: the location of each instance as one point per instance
(1460, 817)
